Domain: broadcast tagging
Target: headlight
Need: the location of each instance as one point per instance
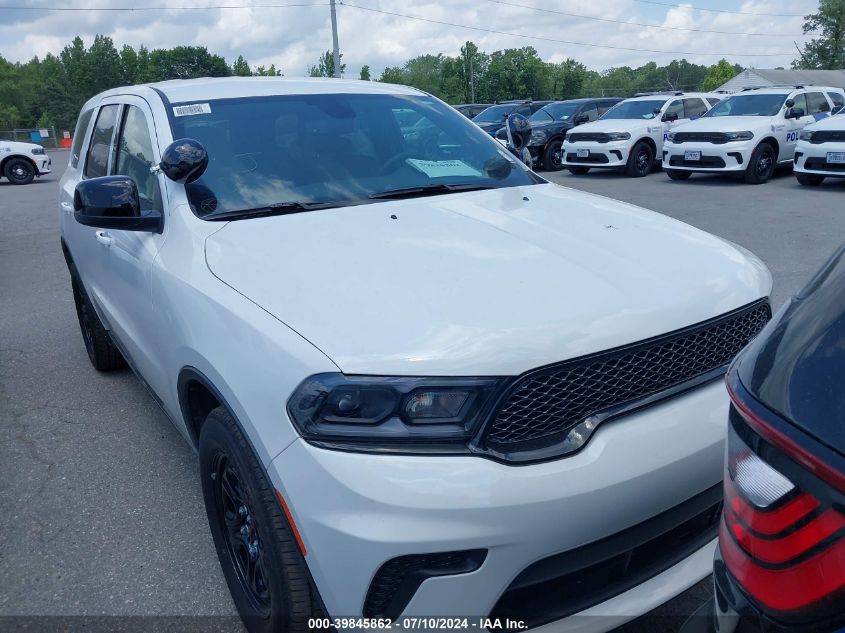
(379, 410)
(739, 136)
(618, 136)
(37, 150)
(806, 135)
(670, 137)
(538, 137)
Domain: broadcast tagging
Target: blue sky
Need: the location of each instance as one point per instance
(293, 37)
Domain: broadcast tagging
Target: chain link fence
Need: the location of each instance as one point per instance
(46, 137)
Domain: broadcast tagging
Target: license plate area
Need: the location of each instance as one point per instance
(836, 157)
(691, 155)
(583, 153)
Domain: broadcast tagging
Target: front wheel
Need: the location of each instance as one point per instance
(640, 161)
(19, 171)
(578, 171)
(762, 165)
(553, 157)
(809, 180)
(256, 545)
(674, 174)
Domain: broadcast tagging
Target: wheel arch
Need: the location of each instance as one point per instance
(648, 141)
(771, 140)
(11, 157)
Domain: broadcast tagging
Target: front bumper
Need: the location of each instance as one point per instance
(356, 511)
(43, 164)
(727, 157)
(609, 155)
(812, 159)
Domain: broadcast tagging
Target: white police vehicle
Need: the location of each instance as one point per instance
(630, 135)
(749, 134)
(820, 152)
(20, 163)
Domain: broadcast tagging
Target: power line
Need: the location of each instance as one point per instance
(557, 41)
(652, 26)
(689, 6)
(168, 8)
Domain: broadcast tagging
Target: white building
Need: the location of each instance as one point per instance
(764, 78)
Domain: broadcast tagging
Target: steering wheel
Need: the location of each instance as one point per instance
(392, 163)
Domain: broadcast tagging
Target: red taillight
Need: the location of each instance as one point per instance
(784, 546)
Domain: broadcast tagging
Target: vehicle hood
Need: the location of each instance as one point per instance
(619, 125)
(727, 124)
(493, 282)
(836, 122)
(17, 147)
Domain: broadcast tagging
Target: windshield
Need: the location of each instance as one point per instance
(494, 114)
(555, 112)
(635, 110)
(339, 148)
(749, 105)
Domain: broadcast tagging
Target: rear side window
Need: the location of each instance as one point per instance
(817, 103)
(591, 111)
(694, 108)
(97, 161)
(838, 99)
(79, 136)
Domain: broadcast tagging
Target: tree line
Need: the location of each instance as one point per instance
(51, 91)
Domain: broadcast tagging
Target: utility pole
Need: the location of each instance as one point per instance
(471, 80)
(335, 48)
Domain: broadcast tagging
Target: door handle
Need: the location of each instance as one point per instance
(67, 207)
(104, 238)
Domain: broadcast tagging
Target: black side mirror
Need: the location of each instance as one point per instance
(795, 113)
(112, 202)
(582, 118)
(789, 103)
(184, 160)
(670, 117)
(518, 131)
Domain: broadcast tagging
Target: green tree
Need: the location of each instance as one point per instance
(719, 73)
(267, 72)
(365, 73)
(325, 66)
(826, 52)
(568, 78)
(241, 68)
(187, 62)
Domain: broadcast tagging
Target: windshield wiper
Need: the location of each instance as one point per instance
(278, 208)
(424, 190)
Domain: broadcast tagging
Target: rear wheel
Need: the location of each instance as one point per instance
(553, 156)
(674, 174)
(640, 161)
(578, 171)
(256, 545)
(762, 165)
(809, 180)
(101, 350)
(19, 171)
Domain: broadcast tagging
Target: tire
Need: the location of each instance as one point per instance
(552, 158)
(762, 165)
(641, 160)
(809, 180)
(19, 171)
(674, 174)
(278, 595)
(578, 171)
(101, 350)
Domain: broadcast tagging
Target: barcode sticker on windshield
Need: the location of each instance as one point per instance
(192, 109)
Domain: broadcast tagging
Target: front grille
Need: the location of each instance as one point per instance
(831, 136)
(542, 406)
(821, 164)
(705, 161)
(568, 583)
(717, 138)
(397, 580)
(595, 137)
(592, 158)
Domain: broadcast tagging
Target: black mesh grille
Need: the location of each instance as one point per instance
(592, 158)
(596, 137)
(704, 161)
(396, 580)
(830, 136)
(821, 164)
(545, 404)
(700, 137)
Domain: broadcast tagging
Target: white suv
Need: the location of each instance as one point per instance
(630, 135)
(748, 134)
(820, 152)
(420, 379)
(20, 163)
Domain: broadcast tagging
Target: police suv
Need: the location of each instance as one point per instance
(820, 152)
(749, 134)
(20, 163)
(630, 135)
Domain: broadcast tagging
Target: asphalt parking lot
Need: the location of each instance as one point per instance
(102, 509)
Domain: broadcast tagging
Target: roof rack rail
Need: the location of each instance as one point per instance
(676, 93)
(796, 86)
